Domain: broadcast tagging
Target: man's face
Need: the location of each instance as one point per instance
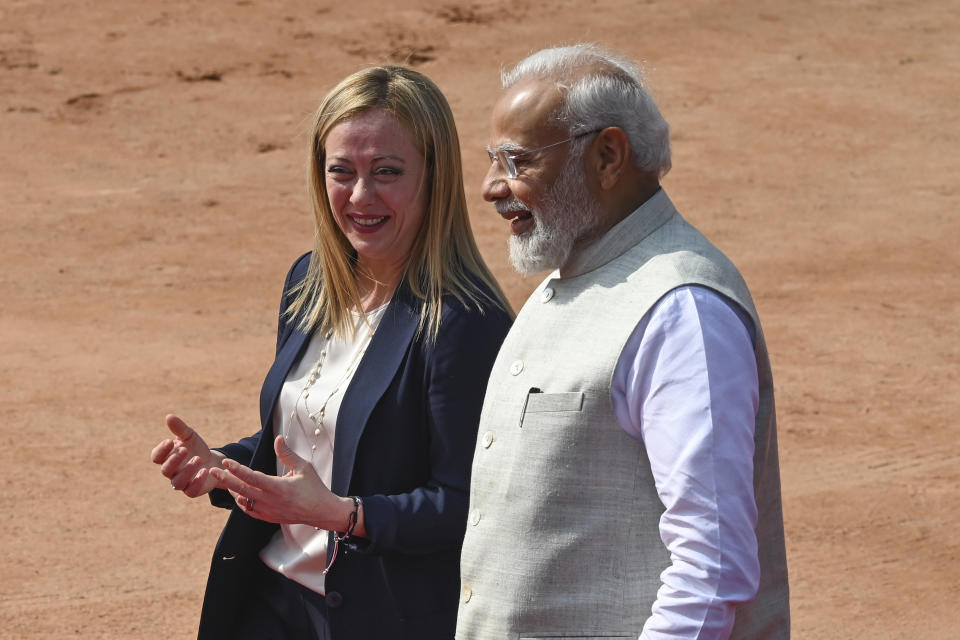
(548, 204)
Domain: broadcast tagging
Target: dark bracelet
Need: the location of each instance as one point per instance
(352, 520)
(351, 525)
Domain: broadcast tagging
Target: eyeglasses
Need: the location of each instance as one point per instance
(506, 159)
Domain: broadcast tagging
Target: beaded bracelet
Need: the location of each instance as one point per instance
(351, 525)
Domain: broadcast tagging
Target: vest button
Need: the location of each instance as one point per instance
(516, 367)
(333, 599)
(546, 295)
(475, 517)
(465, 594)
(487, 439)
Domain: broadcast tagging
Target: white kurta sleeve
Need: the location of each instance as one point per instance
(686, 386)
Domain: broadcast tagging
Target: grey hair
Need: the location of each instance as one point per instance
(602, 90)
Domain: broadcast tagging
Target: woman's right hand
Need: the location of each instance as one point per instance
(187, 460)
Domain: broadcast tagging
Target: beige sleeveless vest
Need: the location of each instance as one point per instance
(562, 535)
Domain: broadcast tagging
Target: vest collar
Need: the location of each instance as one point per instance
(624, 235)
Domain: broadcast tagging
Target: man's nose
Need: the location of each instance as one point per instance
(495, 185)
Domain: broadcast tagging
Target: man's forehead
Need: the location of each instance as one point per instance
(522, 114)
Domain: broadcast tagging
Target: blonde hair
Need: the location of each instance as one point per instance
(444, 258)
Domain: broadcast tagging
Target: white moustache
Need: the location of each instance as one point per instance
(513, 205)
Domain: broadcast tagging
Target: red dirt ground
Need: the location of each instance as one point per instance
(152, 196)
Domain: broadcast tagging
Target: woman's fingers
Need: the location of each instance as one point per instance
(187, 437)
(183, 458)
(179, 428)
(171, 466)
(201, 483)
(246, 475)
(161, 451)
(247, 503)
(186, 473)
(251, 499)
(230, 478)
(254, 492)
(287, 456)
(296, 498)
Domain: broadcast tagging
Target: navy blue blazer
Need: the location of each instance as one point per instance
(406, 432)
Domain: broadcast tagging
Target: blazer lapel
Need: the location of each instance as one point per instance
(288, 354)
(371, 380)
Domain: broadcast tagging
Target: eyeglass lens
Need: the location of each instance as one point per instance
(505, 160)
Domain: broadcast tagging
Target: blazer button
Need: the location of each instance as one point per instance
(487, 439)
(516, 367)
(475, 517)
(465, 594)
(334, 599)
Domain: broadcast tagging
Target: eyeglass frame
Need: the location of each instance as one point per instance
(506, 159)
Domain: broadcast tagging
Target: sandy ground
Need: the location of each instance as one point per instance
(152, 196)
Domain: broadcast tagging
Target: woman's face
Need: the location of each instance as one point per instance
(376, 183)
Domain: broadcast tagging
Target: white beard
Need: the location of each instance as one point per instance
(567, 214)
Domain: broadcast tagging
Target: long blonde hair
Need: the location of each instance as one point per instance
(444, 258)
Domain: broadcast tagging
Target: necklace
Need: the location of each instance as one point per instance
(317, 416)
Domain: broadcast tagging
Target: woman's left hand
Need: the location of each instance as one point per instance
(297, 497)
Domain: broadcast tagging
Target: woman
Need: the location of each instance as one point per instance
(349, 505)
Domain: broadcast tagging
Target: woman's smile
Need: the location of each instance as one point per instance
(366, 221)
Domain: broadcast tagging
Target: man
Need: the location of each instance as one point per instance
(625, 480)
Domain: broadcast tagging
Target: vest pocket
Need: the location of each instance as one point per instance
(550, 402)
(554, 636)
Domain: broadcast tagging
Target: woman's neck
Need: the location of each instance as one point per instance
(376, 287)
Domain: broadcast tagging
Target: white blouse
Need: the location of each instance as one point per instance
(314, 389)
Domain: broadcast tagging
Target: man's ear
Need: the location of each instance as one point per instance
(611, 155)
